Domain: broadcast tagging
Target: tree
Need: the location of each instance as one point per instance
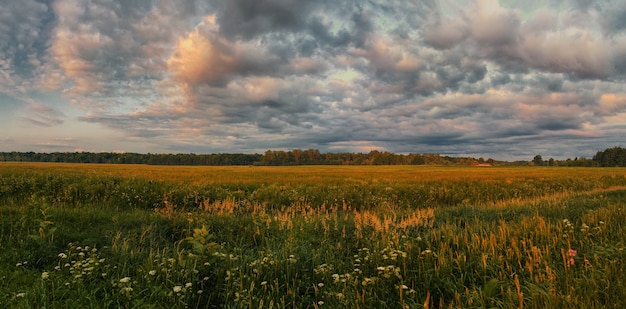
(610, 157)
(538, 160)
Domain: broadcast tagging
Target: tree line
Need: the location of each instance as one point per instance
(269, 158)
(374, 157)
(134, 158)
(610, 157)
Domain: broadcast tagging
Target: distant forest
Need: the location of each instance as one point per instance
(608, 158)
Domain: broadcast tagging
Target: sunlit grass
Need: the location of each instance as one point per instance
(77, 236)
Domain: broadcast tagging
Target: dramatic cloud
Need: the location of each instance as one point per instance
(482, 78)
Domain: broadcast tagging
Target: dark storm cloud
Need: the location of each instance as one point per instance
(247, 19)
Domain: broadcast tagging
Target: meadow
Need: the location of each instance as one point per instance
(137, 236)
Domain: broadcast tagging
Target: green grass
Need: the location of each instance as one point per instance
(94, 236)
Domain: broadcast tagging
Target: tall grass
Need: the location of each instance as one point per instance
(402, 237)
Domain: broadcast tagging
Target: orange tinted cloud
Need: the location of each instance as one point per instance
(200, 59)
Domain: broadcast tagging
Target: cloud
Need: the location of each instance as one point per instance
(486, 77)
(203, 60)
(246, 19)
(203, 57)
(544, 41)
(99, 48)
(41, 115)
(22, 37)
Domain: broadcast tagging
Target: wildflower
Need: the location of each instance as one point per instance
(571, 253)
(200, 291)
(205, 278)
(20, 295)
(127, 290)
(264, 283)
(125, 280)
(404, 287)
(45, 275)
(18, 264)
(570, 262)
(321, 302)
(152, 272)
(320, 284)
(62, 255)
(188, 284)
(367, 281)
(584, 228)
(177, 289)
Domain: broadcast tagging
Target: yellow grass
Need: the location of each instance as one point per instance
(316, 174)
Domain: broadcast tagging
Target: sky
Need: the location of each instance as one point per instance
(486, 78)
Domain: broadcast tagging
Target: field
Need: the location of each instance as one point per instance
(135, 236)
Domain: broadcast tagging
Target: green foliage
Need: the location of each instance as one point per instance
(330, 237)
(611, 157)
